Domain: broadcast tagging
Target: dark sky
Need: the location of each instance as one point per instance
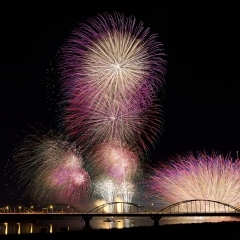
(202, 100)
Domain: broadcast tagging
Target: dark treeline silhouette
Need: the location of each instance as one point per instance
(203, 231)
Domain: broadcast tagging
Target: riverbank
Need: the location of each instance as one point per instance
(203, 231)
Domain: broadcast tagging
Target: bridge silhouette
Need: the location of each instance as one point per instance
(188, 208)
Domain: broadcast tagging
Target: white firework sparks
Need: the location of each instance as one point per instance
(204, 176)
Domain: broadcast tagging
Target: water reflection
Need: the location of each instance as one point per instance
(75, 224)
(5, 228)
(18, 228)
(31, 228)
(71, 224)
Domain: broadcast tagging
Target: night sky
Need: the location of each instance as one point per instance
(202, 91)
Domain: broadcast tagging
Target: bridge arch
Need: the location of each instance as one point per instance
(61, 208)
(119, 207)
(199, 206)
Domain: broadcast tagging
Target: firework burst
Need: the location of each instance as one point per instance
(48, 166)
(204, 176)
(115, 160)
(114, 120)
(114, 55)
(111, 71)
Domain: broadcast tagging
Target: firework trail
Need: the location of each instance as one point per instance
(111, 71)
(49, 167)
(201, 176)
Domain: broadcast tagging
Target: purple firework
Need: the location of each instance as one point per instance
(115, 121)
(201, 176)
(111, 71)
(115, 160)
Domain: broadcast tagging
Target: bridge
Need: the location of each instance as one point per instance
(188, 208)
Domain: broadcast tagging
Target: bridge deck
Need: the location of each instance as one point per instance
(41, 216)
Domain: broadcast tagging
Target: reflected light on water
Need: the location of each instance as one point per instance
(119, 224)
(6, 228)
(127, 223)
(75, 224)
(18, 228)
(31, 228)
(50, 228)
(189, 220)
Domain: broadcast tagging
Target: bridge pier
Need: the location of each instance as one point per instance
(86, 219)
(156, 219)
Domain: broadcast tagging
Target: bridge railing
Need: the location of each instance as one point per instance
(16, 209)
(188, 206)
(61, 208)
(119, 207)
(199, 206)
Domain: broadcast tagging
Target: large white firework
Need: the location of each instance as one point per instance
(113, 55)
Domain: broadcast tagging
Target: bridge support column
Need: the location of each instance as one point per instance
(86, 219)
(156, 219)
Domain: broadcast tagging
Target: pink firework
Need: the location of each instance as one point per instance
(111, 71)
(69, 177)
(115, 160)
(113, 120)
(201, 176)
(47, 165)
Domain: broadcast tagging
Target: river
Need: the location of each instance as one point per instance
(75, 224)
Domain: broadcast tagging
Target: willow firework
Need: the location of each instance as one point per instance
(49, 167)
(201, 176)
